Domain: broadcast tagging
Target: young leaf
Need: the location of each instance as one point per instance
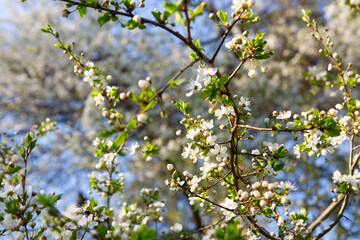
(102, 230)
(120, 139)
(222, 15)
(104, 19)
(82, 11)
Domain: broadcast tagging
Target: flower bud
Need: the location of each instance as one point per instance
(123, 96)
(143, 84)
(263, 203)
(330, 67)
(106, 114)
(137, 19)
(358, 104)
(290, 125)
(339, 106)
(284, 200)
(43, 227)
(170, 167)
(265, 184)
(255, 194)
(149, 79)
(142, 118)
(65, 12)
(212, 16)
(252, 73)
(245, 195)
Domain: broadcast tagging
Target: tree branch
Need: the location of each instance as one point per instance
(145, 20)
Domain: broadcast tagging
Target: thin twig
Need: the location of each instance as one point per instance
(178, 74)
(188, 27)
(262, 230)
(325, 214)
(236, 70)
(337, 219)
(145, 20)
(224, 37)
(211, 186)
(273, 129)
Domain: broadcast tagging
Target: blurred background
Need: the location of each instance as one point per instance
(37, 82)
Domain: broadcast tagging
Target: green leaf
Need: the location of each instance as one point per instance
(14, 169)
(59, 45)
(183, 107)
(205, 93)
(151, 104)
(28, 139)
(174, 84)
(120, 139)
(151, 149)
(175, 175)
(172, 7)
(49, 201)
(102, 230)
(332, 127)
(263, 55)
(156, 15)
(12, 206)
(82, 11)
(196, 12)
(106, 134)
(132, 124)
(136, 98)
(73, 235)
(179, 18)
(267, 212)
(222, 81)
(144, 233)
(92, 2)
(104, 19)
(92, 204)
(22, 152)
(33, 144)
(47, 29)
(222, 15)
(279, 166)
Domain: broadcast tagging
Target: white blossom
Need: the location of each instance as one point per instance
(284, 115)
(142, 118)
(288, 185)
(90, 76)
(99, 99)
(230, 204)
(252, 73)
(296, 151)
(244, 103)
(133, 148)
(143, 84)
(176, 228)
(192, 86)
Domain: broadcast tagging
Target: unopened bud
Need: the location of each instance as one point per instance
(137, 19)
(123, 96)
(65, 13)
(170, 167)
